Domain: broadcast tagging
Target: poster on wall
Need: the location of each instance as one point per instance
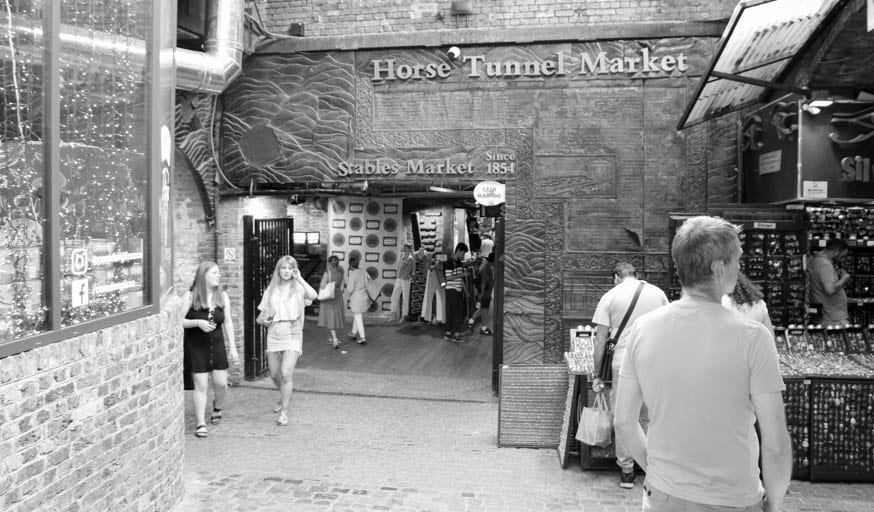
(370, 227)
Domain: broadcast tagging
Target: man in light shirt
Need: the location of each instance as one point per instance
(608, 316)
(706, 374)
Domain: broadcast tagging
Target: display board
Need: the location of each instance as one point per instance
(371, 228)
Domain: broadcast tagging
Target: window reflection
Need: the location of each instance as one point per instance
(103, 162)
(22, 308)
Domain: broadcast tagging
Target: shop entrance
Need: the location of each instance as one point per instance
(409, 352)
(265, 241)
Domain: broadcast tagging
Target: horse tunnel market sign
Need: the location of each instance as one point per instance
(590, 63)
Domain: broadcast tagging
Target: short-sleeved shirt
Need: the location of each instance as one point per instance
(834, 307)
(613, 305)
(696, 364)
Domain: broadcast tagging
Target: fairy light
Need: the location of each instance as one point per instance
(102, 161)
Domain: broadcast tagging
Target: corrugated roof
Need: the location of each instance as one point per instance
(760, 40)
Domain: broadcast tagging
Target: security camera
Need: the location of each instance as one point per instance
(454, 52)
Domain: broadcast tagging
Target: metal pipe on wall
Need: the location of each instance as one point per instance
(208, 72)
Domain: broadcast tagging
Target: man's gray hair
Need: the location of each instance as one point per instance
(698, 243)
(624, 269)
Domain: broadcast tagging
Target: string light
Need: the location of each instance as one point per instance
(103, 167)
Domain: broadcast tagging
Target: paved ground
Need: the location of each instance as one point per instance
(351, 453)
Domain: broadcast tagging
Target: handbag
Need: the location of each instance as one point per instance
(596, 423)
(327, 292)
(605, 370)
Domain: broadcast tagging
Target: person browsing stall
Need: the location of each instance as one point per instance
(612, 309)
(747, 299)
(451, 275)
(827, 283)
(707, 375)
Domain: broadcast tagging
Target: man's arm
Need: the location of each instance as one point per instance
(626, 417)
(776, 447)
(822, 273)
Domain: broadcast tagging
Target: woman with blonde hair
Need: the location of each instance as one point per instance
(207, 325)
(282, 312)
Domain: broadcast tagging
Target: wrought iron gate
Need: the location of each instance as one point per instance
(266, 240)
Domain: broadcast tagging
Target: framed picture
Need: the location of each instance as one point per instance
(355, 240)
(389, 273)
(339, 254)
(371, 256)
(372, 224)
(390, 241)
(356, 207)
(339, 223)
(390, 208)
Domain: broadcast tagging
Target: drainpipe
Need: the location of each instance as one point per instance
(213, 70)
(209, 72)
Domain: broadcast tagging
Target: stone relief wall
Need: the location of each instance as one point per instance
(598, 161)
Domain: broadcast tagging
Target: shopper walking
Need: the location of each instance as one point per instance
(451, 274)
(485, 293)
(207, 323)
(282, 307)
(332, 312)
(629, 299)
(359, 300)
(748, 300)
(827, 284)
(706, 375)
(400, 294)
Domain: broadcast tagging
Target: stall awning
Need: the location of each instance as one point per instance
(761, 39)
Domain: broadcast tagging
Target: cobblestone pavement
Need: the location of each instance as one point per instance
(353, 453)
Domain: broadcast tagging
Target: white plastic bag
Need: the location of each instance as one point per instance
(596, 423)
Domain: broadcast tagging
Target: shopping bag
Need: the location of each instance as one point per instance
(327, 292)
(596, 423)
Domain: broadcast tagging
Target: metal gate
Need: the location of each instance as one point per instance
(266, 240)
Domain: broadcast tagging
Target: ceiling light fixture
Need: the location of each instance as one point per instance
(434, 188)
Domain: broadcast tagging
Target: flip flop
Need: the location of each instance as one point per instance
(201, 431)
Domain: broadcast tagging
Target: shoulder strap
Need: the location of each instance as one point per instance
(629, 311)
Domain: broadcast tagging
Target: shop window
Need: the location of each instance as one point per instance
(75, 200)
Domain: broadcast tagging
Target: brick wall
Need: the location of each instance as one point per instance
(352, 17)
(95, 422)
(189, 218)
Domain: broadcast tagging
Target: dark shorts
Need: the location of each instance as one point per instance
(485, 302)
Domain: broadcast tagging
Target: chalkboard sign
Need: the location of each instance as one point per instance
(569, 421)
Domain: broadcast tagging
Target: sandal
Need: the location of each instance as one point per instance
(362, 341)
(335, 344)
(216, 416)
(282, 420)
(278, 406)
(201, 431)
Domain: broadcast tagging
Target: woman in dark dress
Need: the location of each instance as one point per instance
(207, 324)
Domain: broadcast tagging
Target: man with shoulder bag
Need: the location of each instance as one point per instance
(617, 310)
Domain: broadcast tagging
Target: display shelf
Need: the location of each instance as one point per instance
(796, 400)
(841, 440)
